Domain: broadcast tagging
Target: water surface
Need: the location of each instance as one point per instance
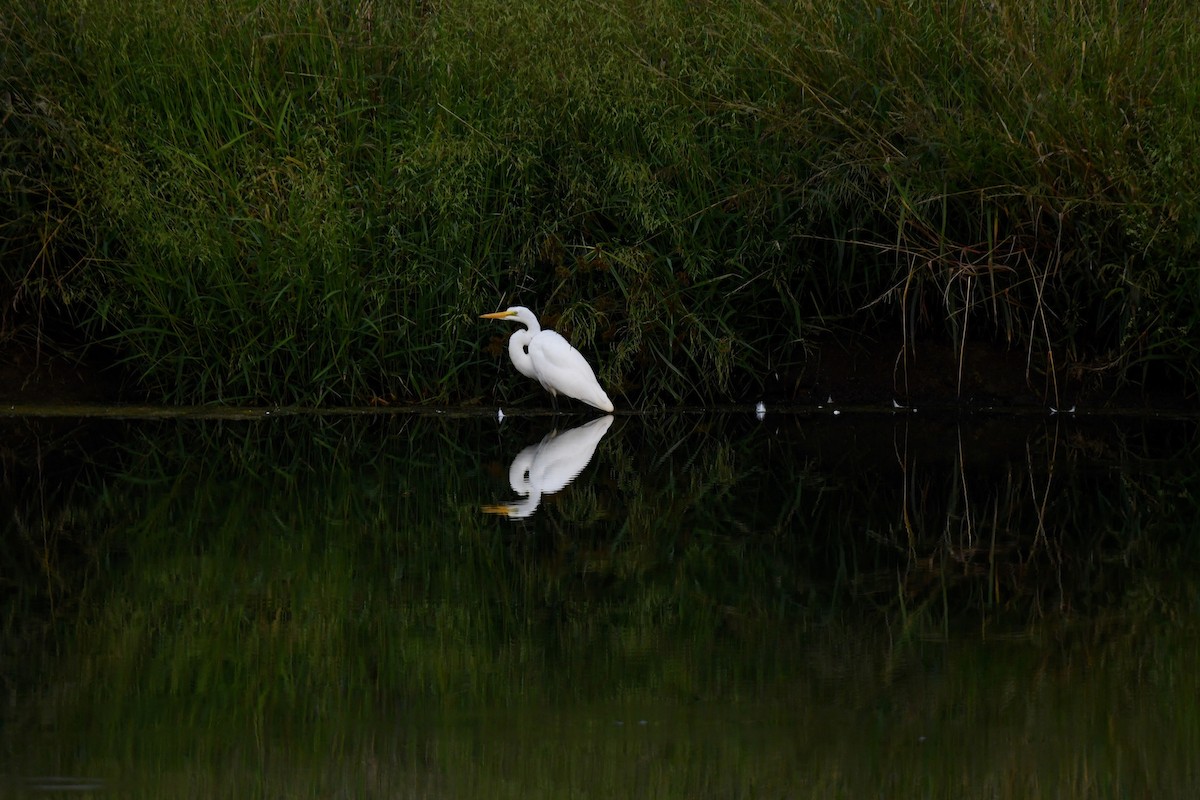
(866, 605)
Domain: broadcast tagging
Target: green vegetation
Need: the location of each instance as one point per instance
(316, 606)
(310, 202)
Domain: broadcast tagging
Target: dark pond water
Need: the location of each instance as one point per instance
(398, 605)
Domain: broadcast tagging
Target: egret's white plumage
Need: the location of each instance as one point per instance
(548, 466)
(550, 360)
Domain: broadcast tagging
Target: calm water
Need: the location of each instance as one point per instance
(686, 605)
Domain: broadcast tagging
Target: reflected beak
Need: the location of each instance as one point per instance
(502, 510)
(496, 315)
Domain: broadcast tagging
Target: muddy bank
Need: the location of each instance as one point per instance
(932, 373)
(861, 372)
(31, 375)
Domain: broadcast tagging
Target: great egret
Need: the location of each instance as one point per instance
(548, 466)
(550, 360)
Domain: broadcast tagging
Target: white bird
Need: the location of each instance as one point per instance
(548, 466)
(550, 360)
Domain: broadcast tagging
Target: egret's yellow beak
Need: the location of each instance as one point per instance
(497, 315)
(502, 510)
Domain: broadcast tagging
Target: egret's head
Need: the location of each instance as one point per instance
(519, 314)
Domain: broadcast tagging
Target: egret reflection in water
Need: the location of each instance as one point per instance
(548, 466)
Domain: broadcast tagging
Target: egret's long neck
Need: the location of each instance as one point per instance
(519, 355)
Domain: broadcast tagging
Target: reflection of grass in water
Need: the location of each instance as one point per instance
(318, 604)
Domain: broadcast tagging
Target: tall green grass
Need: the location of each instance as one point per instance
(283, 202)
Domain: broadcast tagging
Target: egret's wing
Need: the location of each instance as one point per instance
(562, 369)
(558, 360)
(561, 457)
